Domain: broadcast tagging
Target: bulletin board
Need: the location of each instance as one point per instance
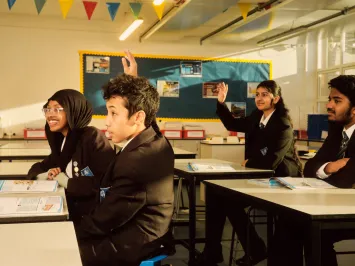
(186, 84)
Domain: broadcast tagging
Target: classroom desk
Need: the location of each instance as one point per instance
(182, 170)
(14, 170)
(39, 244)
(324, 208)
(26, 145)
(24, 154)
(28, 218)
(183, 154)
(227, 151)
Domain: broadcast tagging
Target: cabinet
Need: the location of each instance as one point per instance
(223, 151)
(191, 145)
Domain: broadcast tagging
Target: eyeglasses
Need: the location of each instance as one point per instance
(52, 110)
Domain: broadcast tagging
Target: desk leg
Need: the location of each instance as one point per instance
(315, 247)
(269, 233)
(192, 220)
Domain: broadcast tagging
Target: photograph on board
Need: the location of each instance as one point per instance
(238, 109)
(98, 64)
(251, 89)
(167, 88)
(209, 90)
(191, 69)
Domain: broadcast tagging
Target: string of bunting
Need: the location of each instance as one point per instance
(90, 6)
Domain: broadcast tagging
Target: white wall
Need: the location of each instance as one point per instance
(40, 56)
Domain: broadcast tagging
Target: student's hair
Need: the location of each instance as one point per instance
(281, 108)
(138, 93)
(345, 84)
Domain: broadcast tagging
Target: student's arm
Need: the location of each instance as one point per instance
(100, 156)
(122, 201)
(323, 156)
(231, 123)
(344, 178)
(271, 156)
(40, 167)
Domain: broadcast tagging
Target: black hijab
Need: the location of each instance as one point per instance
(79, 113)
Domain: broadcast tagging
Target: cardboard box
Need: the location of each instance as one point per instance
(172, 134)
(29, 133)
(193, 134)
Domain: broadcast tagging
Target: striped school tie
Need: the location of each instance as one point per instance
(343, 146)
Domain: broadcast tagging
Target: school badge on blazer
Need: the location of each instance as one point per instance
(264, 151)
(86, 171)
(103, 191)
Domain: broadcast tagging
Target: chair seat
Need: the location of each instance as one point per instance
(156, 261)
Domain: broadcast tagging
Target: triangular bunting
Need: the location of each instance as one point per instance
(159, 9)
(89, 8)
(10, 3)
(136, 8)
(244, 9)
(65, 5)
(112, 9)
(39, 5)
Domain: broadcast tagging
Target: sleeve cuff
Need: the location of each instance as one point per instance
(321, 173)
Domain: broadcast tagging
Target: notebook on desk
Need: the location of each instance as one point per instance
(210, 167)
(28, 186)
(25, 206)
(293, 182)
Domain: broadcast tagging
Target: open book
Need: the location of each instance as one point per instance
(210, 167)
(14, 186)
(293, 182)
(24, 206)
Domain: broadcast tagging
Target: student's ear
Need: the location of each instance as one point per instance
(353, 110)
(276, 99)
(140, 117)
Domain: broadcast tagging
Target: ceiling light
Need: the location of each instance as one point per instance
(158, 2)
(131, 29)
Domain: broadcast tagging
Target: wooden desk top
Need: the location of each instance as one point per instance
(182, 166)
(17, 169)
(315, 202)
(39, 244)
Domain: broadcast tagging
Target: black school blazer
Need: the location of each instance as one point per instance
(269, 148)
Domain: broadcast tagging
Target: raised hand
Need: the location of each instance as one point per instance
(132, 68)
(222, 92)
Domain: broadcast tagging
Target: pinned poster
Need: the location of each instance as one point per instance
(159, 9)
(136, 8)
(39, 5)
(112, 9)
(65, 6)
(244, 9)
(89, 8)
(10, 3)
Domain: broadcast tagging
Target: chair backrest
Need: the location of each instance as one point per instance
(156, 261)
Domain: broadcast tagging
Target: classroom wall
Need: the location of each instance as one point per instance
(40, 56)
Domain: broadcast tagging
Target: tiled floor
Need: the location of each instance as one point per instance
(181, 256)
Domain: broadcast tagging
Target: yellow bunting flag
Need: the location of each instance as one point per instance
(159, 9)
(244, 9)
(65, 5)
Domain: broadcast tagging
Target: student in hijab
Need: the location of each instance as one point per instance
(79, 154)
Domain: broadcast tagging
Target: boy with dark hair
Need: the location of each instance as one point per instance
(132, 220)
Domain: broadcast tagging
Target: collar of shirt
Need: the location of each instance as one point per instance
(128, 141)
(349, 131)
(61, 148)
(265, 120)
